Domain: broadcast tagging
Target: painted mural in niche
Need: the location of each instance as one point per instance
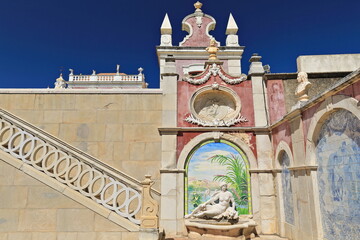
(338, 155)
(212, 164)
(287, 189)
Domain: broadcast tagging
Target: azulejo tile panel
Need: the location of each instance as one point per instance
(338, 155)
(287, 189)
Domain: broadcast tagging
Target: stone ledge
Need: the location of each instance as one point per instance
(299, 168)
(172, 170)
(79, 91)
(176, 130)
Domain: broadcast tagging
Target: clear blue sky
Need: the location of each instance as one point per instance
(38, 37)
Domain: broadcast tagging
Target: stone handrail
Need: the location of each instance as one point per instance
(79, 171)
(105, 78)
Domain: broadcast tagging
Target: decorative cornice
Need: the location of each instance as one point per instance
(176, 130)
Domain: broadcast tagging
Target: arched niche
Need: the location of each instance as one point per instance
(181, 163)
(333, 144)
(237, 141)
(212, 163)
(285, 189)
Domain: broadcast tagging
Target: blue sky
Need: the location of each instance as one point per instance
(40, 37)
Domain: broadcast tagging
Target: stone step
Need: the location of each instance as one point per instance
(207, 237)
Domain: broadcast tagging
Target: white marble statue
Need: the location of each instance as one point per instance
(302, 89)
(225, 208)
(60, 83)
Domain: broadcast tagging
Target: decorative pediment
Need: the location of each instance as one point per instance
(197, 25)
(214, 70)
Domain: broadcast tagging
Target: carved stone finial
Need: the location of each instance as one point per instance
(232, 27)
(166, 31)
(302, 89)
(198, 6)
(232, 39)
(140, 69)
(212, 50)
(117, 68)
(150, 207)
(166, 25)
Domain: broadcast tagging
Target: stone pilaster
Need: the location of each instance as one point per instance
(169, 178)
(259, 92)
(264, 149)
(301, 180)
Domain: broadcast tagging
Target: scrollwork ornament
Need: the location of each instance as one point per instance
(215, 122)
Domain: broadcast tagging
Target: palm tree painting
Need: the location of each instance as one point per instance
(211, 164)
(236, 176)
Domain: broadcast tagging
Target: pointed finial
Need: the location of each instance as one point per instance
(232, 27)
(117, 68)
(198, 6)
(166, 26)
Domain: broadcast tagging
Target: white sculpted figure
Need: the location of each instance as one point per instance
(215, 109)
(302, 89)
(224, 209)
(60, 83)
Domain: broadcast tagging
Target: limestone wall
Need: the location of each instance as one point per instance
(31, 210)
(319, 85)
(119, 128)
(328, 63)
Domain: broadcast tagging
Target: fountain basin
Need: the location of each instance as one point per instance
(222, 228)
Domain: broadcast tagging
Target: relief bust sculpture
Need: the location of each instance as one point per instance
(302, 89)
(215, 109)
(225, 208)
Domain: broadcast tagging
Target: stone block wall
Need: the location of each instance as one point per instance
(319, 85)
(31, 210)
(120, 129)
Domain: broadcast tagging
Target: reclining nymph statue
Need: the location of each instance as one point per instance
(225, 208)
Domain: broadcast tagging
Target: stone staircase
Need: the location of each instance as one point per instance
(72, 172)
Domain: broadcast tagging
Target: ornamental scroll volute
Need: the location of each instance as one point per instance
(215, 103)
(150, 207)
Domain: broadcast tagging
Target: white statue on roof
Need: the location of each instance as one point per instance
(60, 83)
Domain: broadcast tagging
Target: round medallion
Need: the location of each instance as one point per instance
(215, 104)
